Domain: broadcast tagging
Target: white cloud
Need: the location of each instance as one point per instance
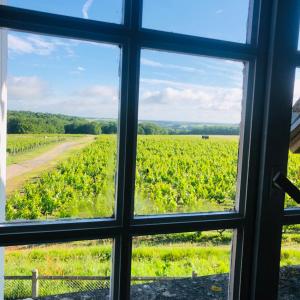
(79, 70)
(151, 63)
(39, 45)
(215, 70)
(179, 101)
(98, 93)
(93, 101)
(19, 45)
(159, 100)
(155, 64)
(27, 43)
(31, 44)
(30, 93)
(27, 89)
(86, 7)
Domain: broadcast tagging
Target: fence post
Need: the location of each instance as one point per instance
(35, 284)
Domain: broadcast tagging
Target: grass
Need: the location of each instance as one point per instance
(78, 258)
(205, 253)
(60, 259)
(94, 259)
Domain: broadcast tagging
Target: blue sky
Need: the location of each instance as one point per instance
(57, 75)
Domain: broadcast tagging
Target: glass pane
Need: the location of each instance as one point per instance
(76, 270)
(289, 263)
(294, 156)
(102, 10)
(224, 20)
(62, 127)
(188, 134)
(189, 266)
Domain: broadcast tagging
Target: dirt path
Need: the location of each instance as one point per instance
(44, 159)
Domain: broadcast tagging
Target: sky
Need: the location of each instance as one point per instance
(75, 77)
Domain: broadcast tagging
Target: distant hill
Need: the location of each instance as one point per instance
(32, 122)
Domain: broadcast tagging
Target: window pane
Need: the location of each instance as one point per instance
(102, 10)
(181, 266)
(289, 263)
(62, 127)
(224, 20)
(294, 156)
(189, 123)
(66, 270)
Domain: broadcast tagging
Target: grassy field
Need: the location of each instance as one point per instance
(174, 174)
(205, 253)
(93, 259)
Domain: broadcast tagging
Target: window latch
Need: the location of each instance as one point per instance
(283, 183)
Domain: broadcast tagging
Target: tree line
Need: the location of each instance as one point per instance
(30, 122)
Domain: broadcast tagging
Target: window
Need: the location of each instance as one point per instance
(176, 91)
(160, 182)
(51, 80)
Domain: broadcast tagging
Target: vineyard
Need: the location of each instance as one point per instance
(19, 143)
(83, 186)
(174, 174)
(185, 174)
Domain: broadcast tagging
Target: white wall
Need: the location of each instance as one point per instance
(3, 115)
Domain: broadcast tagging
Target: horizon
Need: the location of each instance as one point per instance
(116, 119)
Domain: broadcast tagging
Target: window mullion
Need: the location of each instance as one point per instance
(128, 140)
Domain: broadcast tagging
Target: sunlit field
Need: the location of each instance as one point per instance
(174, 174)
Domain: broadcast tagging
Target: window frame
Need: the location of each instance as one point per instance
(283, 59)
(132, 38)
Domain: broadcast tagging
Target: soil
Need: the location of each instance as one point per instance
(24, 167)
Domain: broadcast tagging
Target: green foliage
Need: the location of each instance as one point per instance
(174, 174)
(60, 259)
(83, 128)
(185, 174)
(109, 127)
(81, 186)
(30, 122)
(179, 260)
(91, 258)
(19, 143)
(151, 128)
